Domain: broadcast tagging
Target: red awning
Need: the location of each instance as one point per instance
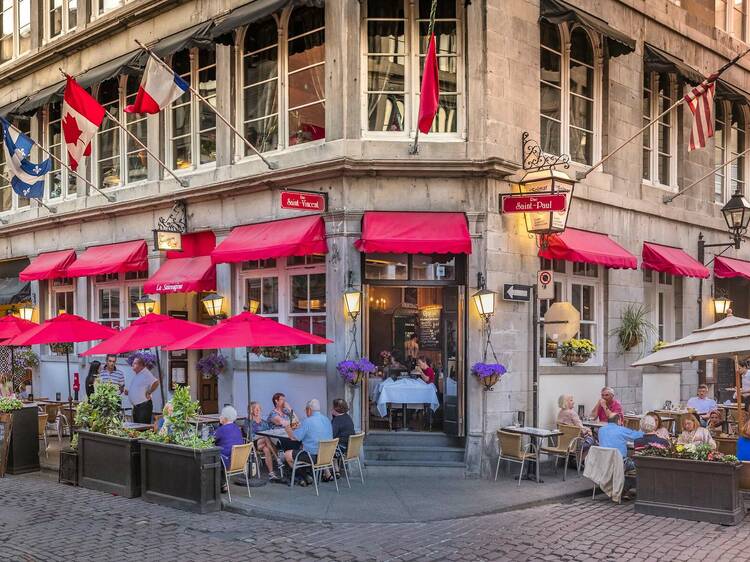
(111, 258)
(669, 259)
(188, 271)
(288, 237)
(729, 267)
(50, 265)
(414, 233)
(588, 247)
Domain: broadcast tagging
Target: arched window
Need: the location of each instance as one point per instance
(730, 129)
(260, 88)
(108, 137)
(659, 140)
(60, 183)
(569, 78)
(136, 159)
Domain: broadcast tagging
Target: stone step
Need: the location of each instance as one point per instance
(396, 467)
(412, 439)
(416, 454)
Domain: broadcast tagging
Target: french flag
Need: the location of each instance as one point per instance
(158, 89)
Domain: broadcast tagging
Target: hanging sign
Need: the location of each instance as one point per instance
(545, 288)
(533, 203)
(303, 201)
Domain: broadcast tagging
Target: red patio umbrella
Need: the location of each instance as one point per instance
(10, 327)
(247, 330)
(65, 328)
(153, 330)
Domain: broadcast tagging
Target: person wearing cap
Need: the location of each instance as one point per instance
(227, 435)
(341, 422)
(313, 429)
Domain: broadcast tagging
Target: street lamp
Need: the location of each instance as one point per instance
(721, 304)
(213, 303)
(547, 182)
(253, 305)
(26, 311)
(737, 215)
(352, 299)
(484, 299)
(145, 304)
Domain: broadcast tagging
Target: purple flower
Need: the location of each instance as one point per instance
(484, 370)
(149, 359)
(351, 370)
(212, 365)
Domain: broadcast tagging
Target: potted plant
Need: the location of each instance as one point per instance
(212, 365)
(178, 468)
(61, 348)
(354, 371)
(688, 482)
(108, 455)
(488, 373)
(277, 353)
(576, 351)
(634, 328)
(659, 345)
(23, 455)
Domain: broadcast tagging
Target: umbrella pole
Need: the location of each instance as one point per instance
(161, 382)
(247, 373)
(70, 394)
(738, 393)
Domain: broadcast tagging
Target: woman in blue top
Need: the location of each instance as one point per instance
(227, 435)
(743, 443)
(253, 425)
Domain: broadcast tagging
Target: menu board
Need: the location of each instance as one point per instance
(429, 328)
(6, 421)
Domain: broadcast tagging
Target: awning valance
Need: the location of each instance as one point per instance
(111, 258)
(252, 12)
(675, 261)
(10, 109)
(726, 268)
(196, 36)
(190, 270)
(727, 91)
(50, 265)
(287, 237)
(588, 247)
(557, 11)
(398, 232)
(656, 60)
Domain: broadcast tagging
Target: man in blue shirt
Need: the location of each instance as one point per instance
(313, 429)
(615, 436)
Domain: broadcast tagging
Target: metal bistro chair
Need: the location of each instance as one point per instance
(43, 432)
(352, 455)
(326, 452)
(513, 450)
(567, 444)
(237, 466)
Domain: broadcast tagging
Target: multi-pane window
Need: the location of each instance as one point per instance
(397, 43)
(116, 295)
(659, 292)
(108, 137)
(107, 5)
(136, 159)
(569, 80)
(60, 182)
(62, 17)
(730, 129)
(306, 81)
(307, 307)
(15, 28)
(192, 124)
(659, 140)
(731, 16)
(6, 191)
(61, 297)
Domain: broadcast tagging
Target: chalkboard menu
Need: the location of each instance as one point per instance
(429, 328)
(6, 421)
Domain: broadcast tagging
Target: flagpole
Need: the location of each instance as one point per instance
(37, 199)
(582, 175)
(414, 149)
(271, 165)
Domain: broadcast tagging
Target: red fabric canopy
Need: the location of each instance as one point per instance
(51, 265)
(11, 326)
(289, 237)
(150, 331)
(65, 328)
(183, 276)
(111, 258)
(194, 244)
(393, 232)
(247, 330)
(588, 247)
(669, 259)
(729, 267)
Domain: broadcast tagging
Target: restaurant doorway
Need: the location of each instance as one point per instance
(413, 328)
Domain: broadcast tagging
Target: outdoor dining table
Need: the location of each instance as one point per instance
(280, 435)
(410, 393)
(536, 434)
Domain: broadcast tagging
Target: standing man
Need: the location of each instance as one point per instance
(110, 373)
(606, 406)
(140, 390)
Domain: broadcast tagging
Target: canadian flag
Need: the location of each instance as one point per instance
(81, 117)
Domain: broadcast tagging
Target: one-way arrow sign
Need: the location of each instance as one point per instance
(513, 292)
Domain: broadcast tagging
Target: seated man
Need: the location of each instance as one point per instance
(649, 425)
(606, 406)
(314, 428)
(615, 436)
(702, 404)
(226, 436)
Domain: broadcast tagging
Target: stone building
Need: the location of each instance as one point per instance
(328, 91)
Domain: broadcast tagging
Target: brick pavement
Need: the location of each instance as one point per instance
(43, 521)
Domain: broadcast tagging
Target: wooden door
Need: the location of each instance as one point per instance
(209, 395)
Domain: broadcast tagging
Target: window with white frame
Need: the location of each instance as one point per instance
(191, 124)
(135, 158)
(103, 6)
(731, 16)
(15, 28)
(115, 295)
(61, 296)
(108, 136)
(291, 290)
(61, 16)
(581, 285)
(660, 139)
(60, 182)
(8, 198)
(730, 129)
(570, 83)
(397, 39)
(659, 289)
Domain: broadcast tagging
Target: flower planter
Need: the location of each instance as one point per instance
(686, 489)
(490, 381)
(68, 471)
(571, 359)
(23, 456)
(180, 477)
(109, 464)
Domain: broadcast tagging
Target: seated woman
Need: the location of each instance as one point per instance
(341, 423)
(715, 423)
(649, 427)
(662, 432)
(692, 432)
(282, 414)
(568, 416)
(253, 425)
(226, 436)
(426, 372)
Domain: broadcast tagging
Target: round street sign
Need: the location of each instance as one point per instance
(545, 277)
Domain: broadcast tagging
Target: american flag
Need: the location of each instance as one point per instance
(700, 100)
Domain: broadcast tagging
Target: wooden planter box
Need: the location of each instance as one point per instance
(109, 464)
(68, 471)
(180, 477)
(23, 455)
(684, 489)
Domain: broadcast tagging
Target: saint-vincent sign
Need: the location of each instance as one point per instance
(533, 203)
(303, 201)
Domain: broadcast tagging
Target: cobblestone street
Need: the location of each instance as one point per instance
(41, 520)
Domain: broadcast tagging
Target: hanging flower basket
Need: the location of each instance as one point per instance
(574, 351)
(212, 365)
(488, 373)
(280, 354)
(61, 348)
(354, 371)
(148, 358)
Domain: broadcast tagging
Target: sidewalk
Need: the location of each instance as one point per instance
(401, 495)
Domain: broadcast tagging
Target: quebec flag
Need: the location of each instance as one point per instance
(27, 178)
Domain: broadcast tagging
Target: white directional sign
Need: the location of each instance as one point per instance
(545, 287)
(515, 292)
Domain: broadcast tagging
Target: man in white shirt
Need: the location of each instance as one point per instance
(140, 390)
(701, 404)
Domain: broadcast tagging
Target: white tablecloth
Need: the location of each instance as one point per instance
(414, 393)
